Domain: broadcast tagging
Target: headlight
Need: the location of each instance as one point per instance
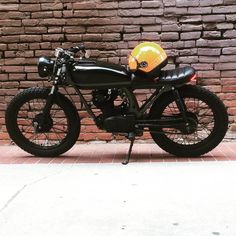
(45, 66)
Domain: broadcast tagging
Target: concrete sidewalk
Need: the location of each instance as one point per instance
(156, 194)
(179, 199)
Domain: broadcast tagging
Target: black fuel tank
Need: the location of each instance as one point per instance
(97, 74)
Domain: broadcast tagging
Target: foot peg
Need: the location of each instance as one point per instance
(131, 137)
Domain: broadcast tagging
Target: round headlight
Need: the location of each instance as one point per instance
(45, 66)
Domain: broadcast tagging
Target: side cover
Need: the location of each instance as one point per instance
(98, 74)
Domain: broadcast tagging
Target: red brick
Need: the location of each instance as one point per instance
(42, 14)
(210, 59)
(173, 11)
(3, 77)
(199, 10)
(13, 69)
(209, 74)
(92, 37)
(104, 136)
(203, 66)
(190, 19)
(51, 6)
(228, 58)
(191, 35)
(187, 3)
(231, 17)
(150, 36)
(133, 12)
(229, 88)
(17, 77)
(232, 111)
(225, 26)
(30, 38)
(84, 5)
(191, 27)
(152, 4)
(212, 34)
(228, 81)
(213, 18)
(170, 36)
(231, 50)
(211, 3)
(53, 37)
(209, 81)
(74, 29)
(225, 66)
(9, 7)
(29, 7)
(209, 51)
(229, 2)
(230, 73)
(111, 37)
(227, 96)
(129, 4)
(231, 103)
(10, 39)
(230, 34)
(15, 61)
(35, 30)
(128, 37)
(53, 22)
(224, 9)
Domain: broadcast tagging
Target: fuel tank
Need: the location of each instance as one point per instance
(97, 74)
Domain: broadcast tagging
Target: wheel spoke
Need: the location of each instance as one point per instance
(205, 120)
(32, 109)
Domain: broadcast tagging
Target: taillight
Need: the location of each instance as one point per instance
(194, 77)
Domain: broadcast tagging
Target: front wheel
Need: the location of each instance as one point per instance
(207, 118)
(59, 130)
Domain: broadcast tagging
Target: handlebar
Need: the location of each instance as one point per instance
(77, 49)
(69, 53)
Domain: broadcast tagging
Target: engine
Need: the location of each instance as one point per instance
(106, 100)
(114, 106)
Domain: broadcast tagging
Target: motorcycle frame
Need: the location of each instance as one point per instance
(134, 108)
(141, 111)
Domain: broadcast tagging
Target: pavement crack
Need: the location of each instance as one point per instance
(12, 198)
(19, 191)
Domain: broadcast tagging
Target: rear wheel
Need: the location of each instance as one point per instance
(207, 118)
(59, 131)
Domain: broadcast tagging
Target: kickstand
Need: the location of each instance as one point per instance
(126, 159)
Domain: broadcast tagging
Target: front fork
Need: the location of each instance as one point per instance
(44, 117)
(49, 103)
(51, 96)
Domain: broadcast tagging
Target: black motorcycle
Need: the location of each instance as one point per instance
(183, 119)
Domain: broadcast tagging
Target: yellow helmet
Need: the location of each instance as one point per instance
(147, 57)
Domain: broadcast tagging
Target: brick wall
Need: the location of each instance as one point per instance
(201, 33)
